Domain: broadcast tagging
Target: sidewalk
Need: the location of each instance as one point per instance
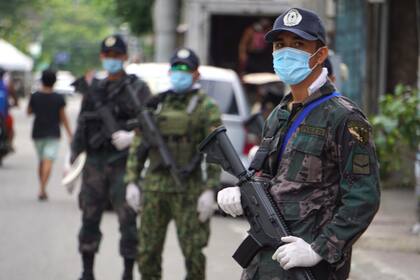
(387, 250)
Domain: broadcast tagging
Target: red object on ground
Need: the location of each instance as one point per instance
(9, 123)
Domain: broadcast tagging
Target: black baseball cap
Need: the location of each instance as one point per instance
(114, 43)
(185, 56)
(304, 23)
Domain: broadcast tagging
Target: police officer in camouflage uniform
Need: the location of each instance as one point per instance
(103, 174)
(184, 115)
(324, 173)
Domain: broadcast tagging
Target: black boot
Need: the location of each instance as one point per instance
(88, 260)
(128, 269)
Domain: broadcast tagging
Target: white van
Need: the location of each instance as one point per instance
(224, 86)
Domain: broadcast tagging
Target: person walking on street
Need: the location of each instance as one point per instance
(49, 110)
(184, 116)
(317, 147)
(108, 103)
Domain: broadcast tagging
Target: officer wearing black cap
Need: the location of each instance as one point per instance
(185, 56)
(304, 23)
(318, 150)
(103, 173)
(185, 116)
(114, 43)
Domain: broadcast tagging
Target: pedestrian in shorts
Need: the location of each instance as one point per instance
(49, 110)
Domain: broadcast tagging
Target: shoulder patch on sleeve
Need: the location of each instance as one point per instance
(359, 130)
(361, 164)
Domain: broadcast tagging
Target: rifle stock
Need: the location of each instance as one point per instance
(267, 225)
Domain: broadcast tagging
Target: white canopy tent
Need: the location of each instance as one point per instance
(12, 59)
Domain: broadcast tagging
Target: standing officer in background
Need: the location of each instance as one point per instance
(184, 116)
(104, 170)
(317, 148)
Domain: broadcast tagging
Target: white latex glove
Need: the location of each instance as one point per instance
(122, 139)
(133, 196)
(296, 253)
(66, 169)
(229, 200)
(67, 164)
(205, 205)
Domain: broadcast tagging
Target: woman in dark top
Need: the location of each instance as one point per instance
(48, 108)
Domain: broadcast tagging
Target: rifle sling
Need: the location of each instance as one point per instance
(264, 150)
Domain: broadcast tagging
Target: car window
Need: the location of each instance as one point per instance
(223, 93)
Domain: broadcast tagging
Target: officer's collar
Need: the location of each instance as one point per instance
(195, 88)
(124, 75)
(182, 96)
(325, 89)
(319, 82)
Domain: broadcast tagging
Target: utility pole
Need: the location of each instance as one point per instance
(165, 14)
(416, 227)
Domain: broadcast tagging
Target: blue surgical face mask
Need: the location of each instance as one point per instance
(181, 81)
(112, 65)
(291, 65)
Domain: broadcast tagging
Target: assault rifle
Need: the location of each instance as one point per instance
(267, 225)
(151, 136)
(102, 113)
(110, 125)
(144, 120)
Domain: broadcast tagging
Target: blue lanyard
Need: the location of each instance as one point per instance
(299, 119)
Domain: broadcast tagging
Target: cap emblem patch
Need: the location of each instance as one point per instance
(110, 41)
(292, 18)
(183, 53)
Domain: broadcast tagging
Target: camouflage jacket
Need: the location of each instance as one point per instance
(184, 120)
(114, 95)
(326, 185)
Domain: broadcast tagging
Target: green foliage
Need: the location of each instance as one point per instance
(137, 13)
(105, 7)
(17, 21)
(73, 27)
(397, 129)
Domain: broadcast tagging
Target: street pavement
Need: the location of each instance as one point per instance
(38, 240)
(388, 250)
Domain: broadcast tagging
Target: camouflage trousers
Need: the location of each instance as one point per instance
(102, 183)
(263, 267)
(159, 208)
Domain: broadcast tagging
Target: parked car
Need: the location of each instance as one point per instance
(224, 86)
